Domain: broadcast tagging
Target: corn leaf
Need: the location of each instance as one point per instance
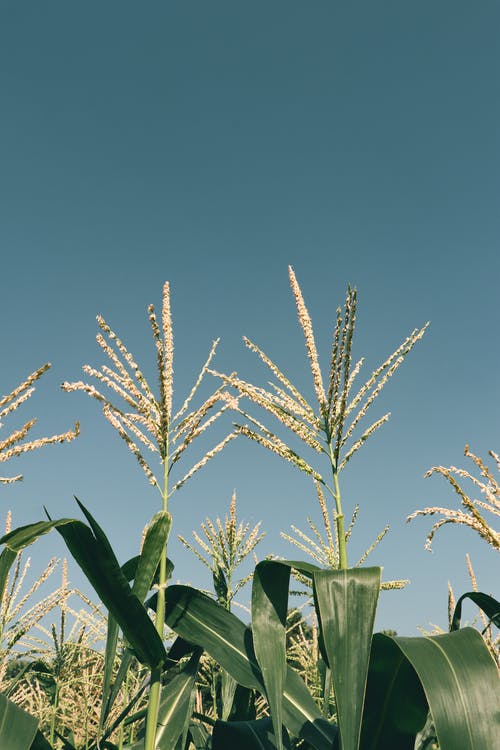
(269, 607)
(346, 601)
(17, 728)
(489, 605)
(155, 540)
(461, 684)
(246, 735)
(7, 559)
(395, 704)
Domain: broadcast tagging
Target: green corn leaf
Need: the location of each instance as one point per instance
(23, 536)
(346, 602)
(461, 684)
(200, 737)
(175, 705)
(200, 620)
(395, 703)
(40, 743)
(142, 570)
(7, 559)
(271, 581)
(154, 543)
(130, 567)
(247, 735)
(109, 661)
(228, 691)
(489, 605)
(17, 728)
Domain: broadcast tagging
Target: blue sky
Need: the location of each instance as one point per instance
(212, 144)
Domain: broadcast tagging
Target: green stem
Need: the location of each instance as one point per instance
(340, 515)
(155, 688)
(54, 713)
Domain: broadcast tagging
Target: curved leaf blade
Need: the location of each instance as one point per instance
(346, 601)
(460, 680)
(17, 728)
(395, 704)
(246, 735)
(270, 585)
(94, 554)
(489, 605)
(175, 705)
(156, 538)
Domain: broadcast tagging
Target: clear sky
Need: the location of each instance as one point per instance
(212, 144)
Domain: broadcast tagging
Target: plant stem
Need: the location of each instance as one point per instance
(339, 513)
(155, 689)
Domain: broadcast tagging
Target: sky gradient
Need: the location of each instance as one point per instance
(213, 144)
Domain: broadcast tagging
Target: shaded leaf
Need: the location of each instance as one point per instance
(460, 680)
(269, 607)
(17, 728)
(395, 703)
(247, 735)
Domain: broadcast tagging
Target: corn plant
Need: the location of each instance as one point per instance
(330, 427)
(63, 687)
(165, 433)
(222, 546)
(143, 419)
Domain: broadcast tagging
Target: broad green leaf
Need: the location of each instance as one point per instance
(243, 708)
(109, 661)
(17, 728)
(175, 705)
(269, 607)
(23, 536)
(200, 737)
(246, 735)
(461, 684)
(7, 559)
(395, 703)
(154, 543)
(346, 601)
(488, 604)
(200, 620)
